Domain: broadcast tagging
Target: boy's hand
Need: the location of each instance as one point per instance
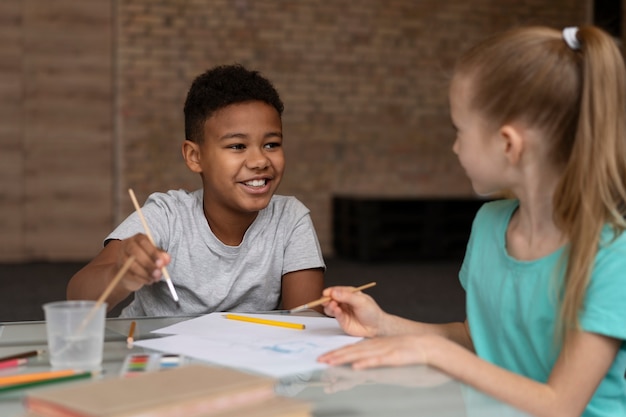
(149, 260)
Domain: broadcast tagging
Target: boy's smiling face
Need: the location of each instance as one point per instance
(241, 159)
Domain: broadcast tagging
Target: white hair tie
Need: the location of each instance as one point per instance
(569, 35)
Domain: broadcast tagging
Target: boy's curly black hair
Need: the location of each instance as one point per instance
(220, 87)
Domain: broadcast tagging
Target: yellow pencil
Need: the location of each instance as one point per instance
(34, 377)
(265, 321)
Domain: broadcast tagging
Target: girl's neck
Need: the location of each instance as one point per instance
(532, 233)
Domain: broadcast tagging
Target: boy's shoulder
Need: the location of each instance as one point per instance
(286, 202)
(175, 197)
(180, 204)
(284, 199)
(285, 209)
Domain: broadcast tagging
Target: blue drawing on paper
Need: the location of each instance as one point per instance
(291, 348)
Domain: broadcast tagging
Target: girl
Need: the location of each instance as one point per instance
(541, 114)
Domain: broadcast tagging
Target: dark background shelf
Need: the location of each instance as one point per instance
(374, 229)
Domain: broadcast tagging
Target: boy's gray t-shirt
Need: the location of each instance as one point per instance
(211, 276)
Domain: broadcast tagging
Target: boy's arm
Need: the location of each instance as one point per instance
(91, 281)
(301, 287)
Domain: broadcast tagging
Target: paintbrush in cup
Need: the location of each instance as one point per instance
(92, 312)
(106, 293)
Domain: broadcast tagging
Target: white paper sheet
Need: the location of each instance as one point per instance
(270, 350)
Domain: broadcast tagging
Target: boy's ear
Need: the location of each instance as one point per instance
(513, 143)
(191, 154)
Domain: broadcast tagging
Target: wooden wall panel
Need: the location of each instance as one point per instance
(68, 137)
(11, 154)
(364, 84)
(365, 87)
(59, 141)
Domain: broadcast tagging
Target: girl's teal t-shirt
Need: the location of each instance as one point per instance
(512, 304)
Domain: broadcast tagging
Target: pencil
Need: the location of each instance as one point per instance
(131, 334)
(166, 274)
(325, 299)
(66, 378)
(265, 321)
(21, 355)
(11, 363)
(34, 377)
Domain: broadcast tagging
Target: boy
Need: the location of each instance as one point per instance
(232, 245)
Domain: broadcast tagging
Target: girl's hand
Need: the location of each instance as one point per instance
(149, 260)
(340, 378)
(357, 313)
(382, 351)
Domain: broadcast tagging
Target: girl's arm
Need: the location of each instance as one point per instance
(569, 388)
(301, 287)
(456, 332)
(359, 315)
(571, 384)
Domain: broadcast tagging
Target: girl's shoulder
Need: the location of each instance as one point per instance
(496, 211)
(612, 241)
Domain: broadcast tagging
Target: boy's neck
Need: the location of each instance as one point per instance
(229, 229)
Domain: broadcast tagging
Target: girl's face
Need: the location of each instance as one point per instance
(476, 144)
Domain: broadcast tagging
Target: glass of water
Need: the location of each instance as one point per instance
(75, 330)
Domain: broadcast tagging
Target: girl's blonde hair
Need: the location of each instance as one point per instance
(577, 97)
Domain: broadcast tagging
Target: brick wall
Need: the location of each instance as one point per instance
(364, 85)
(55, 128)
(91, 96)
(11, 163)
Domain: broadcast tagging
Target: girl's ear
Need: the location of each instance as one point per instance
(513, 143)
(191, 154)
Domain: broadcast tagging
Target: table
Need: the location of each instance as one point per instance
(336, 391)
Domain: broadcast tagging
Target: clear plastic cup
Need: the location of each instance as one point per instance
(75, 331)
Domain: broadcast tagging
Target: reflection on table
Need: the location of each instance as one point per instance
(334, 391)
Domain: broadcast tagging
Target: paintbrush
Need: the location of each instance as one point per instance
(166, 274)
(105, 293)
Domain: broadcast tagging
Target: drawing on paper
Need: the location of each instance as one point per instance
(291, 348)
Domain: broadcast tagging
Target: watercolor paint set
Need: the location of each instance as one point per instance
(139, 363)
